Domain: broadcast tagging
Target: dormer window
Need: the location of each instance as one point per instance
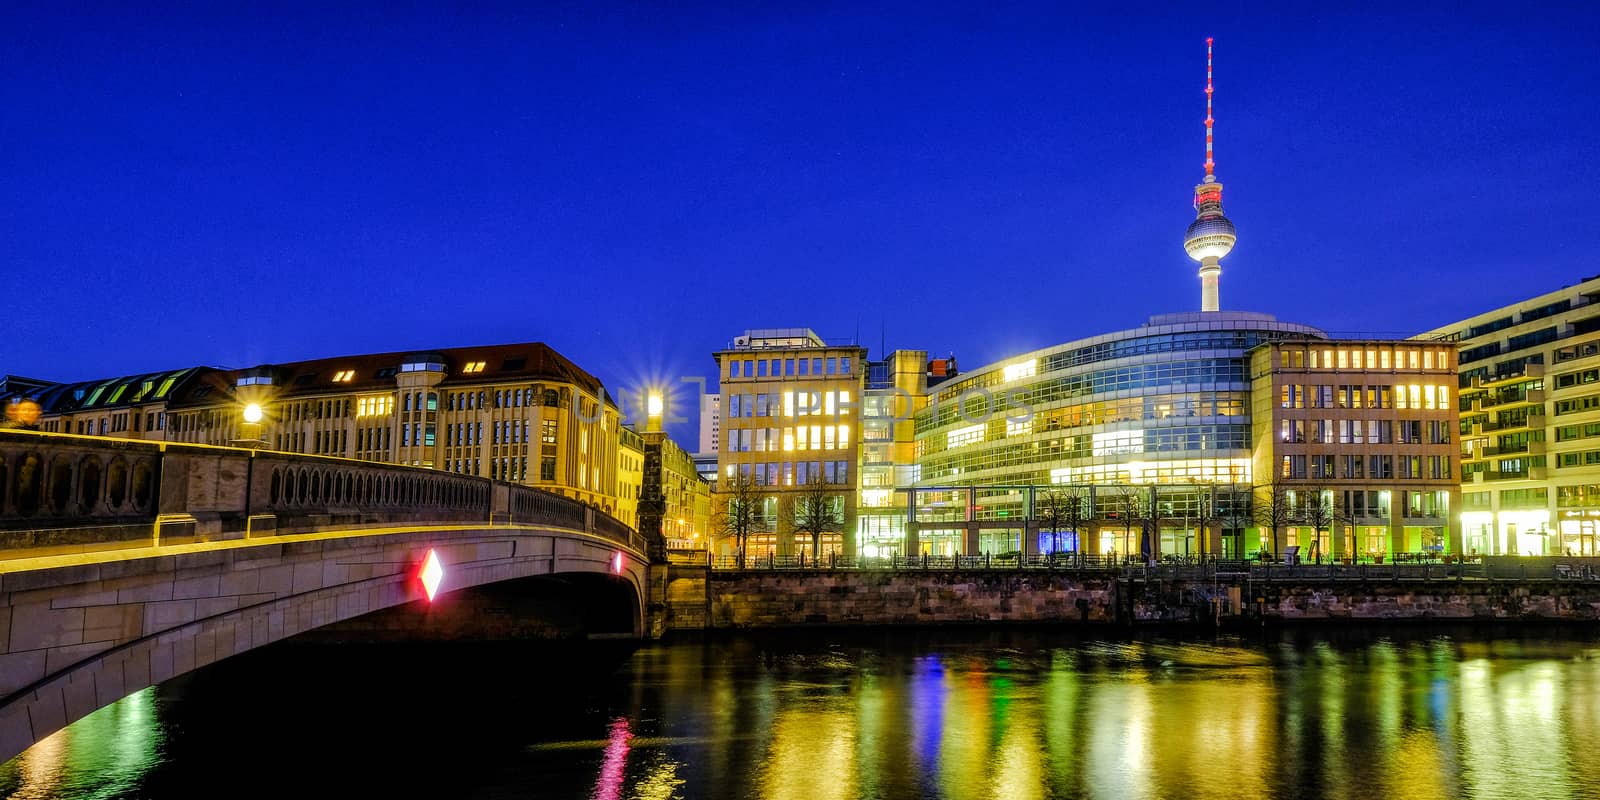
(344, 376)
(473, 367)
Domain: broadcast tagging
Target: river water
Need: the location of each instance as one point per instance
(1014, 714)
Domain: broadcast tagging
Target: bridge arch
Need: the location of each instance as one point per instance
(84, 636)
(181, 554)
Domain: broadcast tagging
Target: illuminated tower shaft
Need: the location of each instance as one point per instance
(1211, 236)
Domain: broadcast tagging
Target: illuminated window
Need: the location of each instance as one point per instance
(1024, 370)
(972, 434)
(473, 367)
(343, 375)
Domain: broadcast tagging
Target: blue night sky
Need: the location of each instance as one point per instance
(235, 187)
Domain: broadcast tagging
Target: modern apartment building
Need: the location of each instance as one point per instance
(1529, 399)
(791, 416)
(1355, 440)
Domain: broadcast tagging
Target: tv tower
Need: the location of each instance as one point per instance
(1211, 235)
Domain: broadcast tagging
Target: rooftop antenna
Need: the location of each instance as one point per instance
(1211, 236)
(1211, 162)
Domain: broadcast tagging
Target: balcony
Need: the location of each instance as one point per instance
(1530, 448)
(1530, 474)
(1526, 372)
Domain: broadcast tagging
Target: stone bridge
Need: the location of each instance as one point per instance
(126, 563)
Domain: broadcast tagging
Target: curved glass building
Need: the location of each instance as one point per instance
(1152, 422)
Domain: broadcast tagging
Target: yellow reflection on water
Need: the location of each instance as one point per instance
(812, 755)
(965, 730)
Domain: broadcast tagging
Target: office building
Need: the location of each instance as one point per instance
(790, 417)
(1529, 399)
(1355, 441)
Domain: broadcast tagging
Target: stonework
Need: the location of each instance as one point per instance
(766, 599)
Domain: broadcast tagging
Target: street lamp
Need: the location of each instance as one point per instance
(655, 405)
(250, 430)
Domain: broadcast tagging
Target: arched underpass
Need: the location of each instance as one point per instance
(564, 606)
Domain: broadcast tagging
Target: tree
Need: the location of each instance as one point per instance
(1063, 508)
(1208, 512)
(816, 512)
(1134, 505)
(1316, 510)
(1274, 509)
(1235, 513)
(1342, 515)
(740, 514)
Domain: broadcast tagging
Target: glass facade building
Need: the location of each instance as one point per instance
(1149, 429)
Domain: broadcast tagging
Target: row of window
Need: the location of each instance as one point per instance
(976, 403)
(801, 437)
(1193, 439)
(803, 403)
(1409, 396)
(1371, 431)
(1569, 379)
(416, 434)
(1567, 433)
(792, 473)
(501, 398)
(1577, 404)
(511, 468)
(1238, 341)
(1360, 357)
(153, 421)
(787, 367)
(1331, 467)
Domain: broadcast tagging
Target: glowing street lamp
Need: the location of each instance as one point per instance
(655, 405)
(250, 432)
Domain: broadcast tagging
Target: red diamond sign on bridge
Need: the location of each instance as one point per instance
(431, 574)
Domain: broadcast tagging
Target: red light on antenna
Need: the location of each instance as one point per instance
(1208, 40)
(432, 573)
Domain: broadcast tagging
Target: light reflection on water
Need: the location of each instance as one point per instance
(962, 716)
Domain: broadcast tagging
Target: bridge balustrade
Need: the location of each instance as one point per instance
(75, 492)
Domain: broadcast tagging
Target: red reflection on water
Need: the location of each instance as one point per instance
(609, 786)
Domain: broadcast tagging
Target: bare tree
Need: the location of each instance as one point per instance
(1274, 509)
(1125, 502)
(1316, 510)
(1138, 512)
(1063, 508)
(1344, 515)
(739, 513)
(1208, 513)
(816, 513)
(1234, 511)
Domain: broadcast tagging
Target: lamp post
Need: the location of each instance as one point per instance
(250, 429)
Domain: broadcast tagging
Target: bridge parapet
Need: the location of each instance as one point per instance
(79, 492)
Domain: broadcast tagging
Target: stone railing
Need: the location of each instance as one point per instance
(79, 492)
